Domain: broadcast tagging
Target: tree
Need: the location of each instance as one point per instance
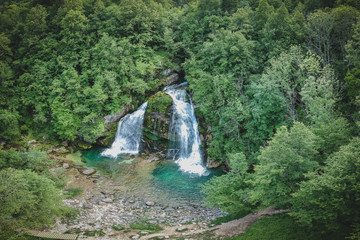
(318, 92)
(230, 191)
(267, 108)
(35, 25)
(345, 17)
(262, 14)
(330, 199)
(282, 165)
(217, 75)
(27, 199)
(33, 160)
(284, 72)
(319, 27)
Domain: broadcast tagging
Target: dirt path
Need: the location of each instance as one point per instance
(228, 229)
(239, 226)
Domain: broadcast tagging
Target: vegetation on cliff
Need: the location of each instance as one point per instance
(277, 83)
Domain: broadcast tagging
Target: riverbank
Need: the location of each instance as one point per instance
(111, 209)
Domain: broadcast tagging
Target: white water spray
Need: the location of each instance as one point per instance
(184, 132)
(128, 135)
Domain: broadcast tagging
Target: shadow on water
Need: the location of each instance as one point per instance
(163, 180)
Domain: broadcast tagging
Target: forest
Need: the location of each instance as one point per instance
(276, 84)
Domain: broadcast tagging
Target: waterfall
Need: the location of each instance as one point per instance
(184, 134)
(128, 135)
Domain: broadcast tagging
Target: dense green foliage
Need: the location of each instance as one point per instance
(277, 83)
(33, 160)
(29, 193)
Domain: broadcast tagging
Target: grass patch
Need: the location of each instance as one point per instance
(73, 192)
(94, 233)
(279, 227)
(146, 226)
(73, 231)
(118, 227)
(208, 235)
(181, 230)
(143, 224)
(228, 218)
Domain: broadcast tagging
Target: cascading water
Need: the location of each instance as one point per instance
(184, 133)
(128, 135)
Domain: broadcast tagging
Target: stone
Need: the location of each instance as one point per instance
(107, 200)
(209, 138)
(153, 158)
(201, 137)
(135, 237)
(61, 150)
(89, 171)
(32, 141)
(212, 164)
(65, 165)
(152, 222)
(166, 72)
(87, 206)
(168, 209)
(116, 117)
(143, 233)
(172, 78)
(149, 203)
(181, 229)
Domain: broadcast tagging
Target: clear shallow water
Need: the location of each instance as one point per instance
(162, 181)
(168, 176)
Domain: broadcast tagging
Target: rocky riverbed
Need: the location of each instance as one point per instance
(108, 209)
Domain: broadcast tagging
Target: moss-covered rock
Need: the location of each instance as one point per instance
(157, 120)
(108, 135)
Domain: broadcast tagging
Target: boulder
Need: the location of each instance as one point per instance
(212, 164)
(153, 158)
(107, 200)
(156, 122)
(172, 78)
(87, 206)
(201, 137)
(181, 229)
(149, 203)
(65, 165)
(116, 117)
(89, 171)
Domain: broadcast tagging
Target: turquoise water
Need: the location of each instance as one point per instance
(161, 179)
(169, 177)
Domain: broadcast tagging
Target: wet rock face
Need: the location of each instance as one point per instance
(212, 164)
(116, 117)
(172, 78)
(156, 122)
